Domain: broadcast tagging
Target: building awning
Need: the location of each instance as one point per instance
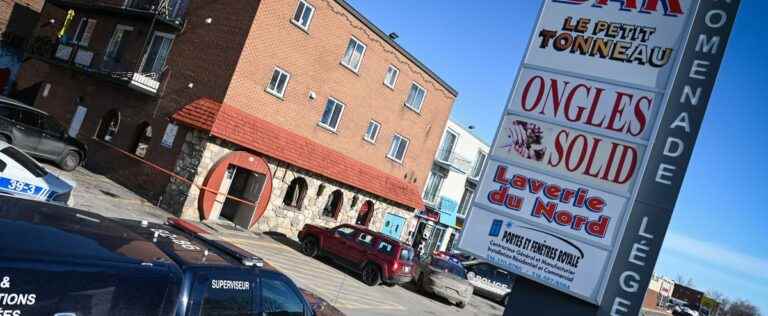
(236, 126)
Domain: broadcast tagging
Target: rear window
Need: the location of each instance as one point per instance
(24, 160)
(448, 266)
(227, 297)
(406, 254)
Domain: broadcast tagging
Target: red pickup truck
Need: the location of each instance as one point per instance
(377, 257)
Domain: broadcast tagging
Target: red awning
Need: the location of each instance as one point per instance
(236, 126)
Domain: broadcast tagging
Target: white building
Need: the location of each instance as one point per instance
(450, 188)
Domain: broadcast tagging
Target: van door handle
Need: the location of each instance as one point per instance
(20, 127)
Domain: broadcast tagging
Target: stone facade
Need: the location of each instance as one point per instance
(201, 152)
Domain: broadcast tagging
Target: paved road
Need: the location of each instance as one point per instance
(345, 291)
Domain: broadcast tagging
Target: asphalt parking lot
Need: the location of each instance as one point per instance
(342, 288)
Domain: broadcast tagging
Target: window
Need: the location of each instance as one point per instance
(29, 118)
(432, 190)
(143, 139)
(364, 214)
(8, 112)
(332, 114)
(448, 266)
(398, 148)
(279, 82)
(446, 148)
(333, 205)
(2, 166)
(24, 161)
(294, 196)
(365, 240)
(415, 97)
(391, 78)
(466, 201)
(115, 46)
(278, 298)
(109, 126)
(373, 131)
(159, 48)
(84, 31)
(386, 248)
(479, 164)
(344, 232)
(354, 55)
(226, 302)
(303, 15)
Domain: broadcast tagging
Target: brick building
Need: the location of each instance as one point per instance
(271, 114)
(17, 20)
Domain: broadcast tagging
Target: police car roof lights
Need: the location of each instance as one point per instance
(245, 257)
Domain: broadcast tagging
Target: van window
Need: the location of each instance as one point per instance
(227, 298)
(2, 165)
(386, 248)
(9, 113)
(406, 254)
(279, 299)
(29, 118)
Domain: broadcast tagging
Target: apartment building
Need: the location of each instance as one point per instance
(17, 20)
(269, 114)
(450, 187)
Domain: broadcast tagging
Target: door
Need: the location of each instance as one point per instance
(358, 252)
(342, 238)
(27, 132)
(393, 226)
(246, 185)
(52, 143)
(77, 121)
(279, 296)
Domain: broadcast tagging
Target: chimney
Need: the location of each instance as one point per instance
(393, 35)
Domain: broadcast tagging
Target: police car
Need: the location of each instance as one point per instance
(60, 261)
(489, 281)
(23, 177)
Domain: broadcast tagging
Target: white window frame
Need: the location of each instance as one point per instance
(112, 45)
(341, 113)
(309, 20)
(442, 145)
(439, 188)
(411, 106)
(466, 206)
(152, 42)
(362, 55)
(375, 136)
(90, 25)
(279, 94)
(392, 147)
(394, 80)
(479, 167)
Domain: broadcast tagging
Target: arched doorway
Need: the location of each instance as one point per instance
(365, 214)
(244, 185)
(109, 126)
(143, 139)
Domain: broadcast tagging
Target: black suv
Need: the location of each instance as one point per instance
(38, 134)
(60, 261)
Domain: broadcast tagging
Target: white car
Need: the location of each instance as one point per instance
(21, 176)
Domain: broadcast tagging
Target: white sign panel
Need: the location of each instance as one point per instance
(571, 266)
(611, 110)
(566, 207)
(591, 159)
(627, 41)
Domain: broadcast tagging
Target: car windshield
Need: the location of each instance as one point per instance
(447, 266)
(26, 162)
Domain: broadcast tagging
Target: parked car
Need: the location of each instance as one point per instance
(444, 278)
(684, 310)
(320, 306)
(56, 260)
(490, 281)
(38, 134)
(377, 257)
(455, 256)
(21, 176)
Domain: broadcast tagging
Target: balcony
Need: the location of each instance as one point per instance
(92, 63)
(452, 160)
(169, 11)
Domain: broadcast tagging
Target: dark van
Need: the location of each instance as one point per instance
(60, 261)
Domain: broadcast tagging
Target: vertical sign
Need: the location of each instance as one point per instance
(590, 153)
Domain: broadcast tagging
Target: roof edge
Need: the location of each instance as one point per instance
(400, 49)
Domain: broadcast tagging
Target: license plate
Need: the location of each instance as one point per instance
(407, 269)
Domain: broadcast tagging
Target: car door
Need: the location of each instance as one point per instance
(52, 143)
(358, 251)
(338, 243)
(223, 293)
(21, 176)
(26, 131)
(278, 296)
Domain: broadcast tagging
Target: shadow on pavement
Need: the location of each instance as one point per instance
(411, 287)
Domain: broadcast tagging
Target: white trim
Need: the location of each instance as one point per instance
(341, 113)
(118, 28)
(480, 171)
(285, 88)
(448, 130)
(362, 55)
(378, 131)
(394, 80)
(311, 16)
(405, 151)
(410, 106)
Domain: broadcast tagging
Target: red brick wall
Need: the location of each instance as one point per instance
(7, 7)
(313, 60)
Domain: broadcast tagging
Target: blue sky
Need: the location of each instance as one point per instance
(717, 231)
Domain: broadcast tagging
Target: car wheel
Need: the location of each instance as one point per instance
(462, 304)
(371, 275)
(309, 247)
(505, 300)
(70, 161)
(5, 139)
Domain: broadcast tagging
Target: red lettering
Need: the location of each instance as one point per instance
(581, 196)
(671, 7)
(536, 186)
(501, 175)
(558, 148)
(499, 196)
(557, 98)
(622, 161)
(591, 160)
(582, 153)
(599, 227)
(514, 202)
(519, 182)
(547, 210)
(579, 222)
(640, 115)
(567, 196)
(595, 204)
(539, 94)
(618, 111)
(552, 191)
(593, 109)
(564, 218)
(569, 103)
